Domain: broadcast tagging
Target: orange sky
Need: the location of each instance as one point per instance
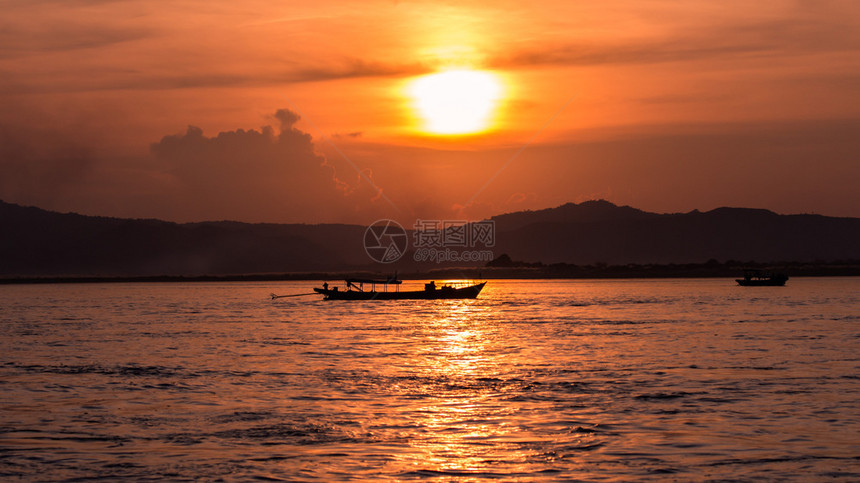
(289, 112)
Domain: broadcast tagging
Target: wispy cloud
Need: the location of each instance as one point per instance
(790, 36)
(107, 79)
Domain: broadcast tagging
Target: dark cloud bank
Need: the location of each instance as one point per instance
(278, 173)
(271, 174)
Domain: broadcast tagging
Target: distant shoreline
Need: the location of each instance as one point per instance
(536, 271)
(593, 239)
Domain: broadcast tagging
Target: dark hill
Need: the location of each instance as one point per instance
(35, 242)
(588, 211)
(39, 243)
(595, 232)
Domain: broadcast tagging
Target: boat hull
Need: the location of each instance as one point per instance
(761, 283)
(443, 293)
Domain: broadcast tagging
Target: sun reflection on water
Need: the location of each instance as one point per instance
(466, 424)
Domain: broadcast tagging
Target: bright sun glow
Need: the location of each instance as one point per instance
(456, 101)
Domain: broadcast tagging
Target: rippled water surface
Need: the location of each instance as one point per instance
(535, 380)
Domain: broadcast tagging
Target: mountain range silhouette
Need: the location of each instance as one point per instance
(40, 243)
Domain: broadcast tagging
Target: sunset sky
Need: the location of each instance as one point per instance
(325, 111)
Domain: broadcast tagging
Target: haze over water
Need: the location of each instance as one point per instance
(535, 380)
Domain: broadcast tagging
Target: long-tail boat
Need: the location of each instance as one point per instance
(366, 289)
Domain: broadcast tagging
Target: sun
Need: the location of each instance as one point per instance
(456, 101)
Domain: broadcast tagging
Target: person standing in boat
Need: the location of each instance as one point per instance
(430, 286)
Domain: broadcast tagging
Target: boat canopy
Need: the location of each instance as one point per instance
(393, 281)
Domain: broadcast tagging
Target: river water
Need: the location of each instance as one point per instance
(584, 380)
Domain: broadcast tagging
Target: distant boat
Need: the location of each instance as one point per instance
(355, 290)
(762, 278)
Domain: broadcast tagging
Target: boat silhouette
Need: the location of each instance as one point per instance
(355, 290)
(762, 278)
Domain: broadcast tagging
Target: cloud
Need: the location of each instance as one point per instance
(354, 134)
(271, 174)
(791, 34)
(33, 29)
(92, 46)
(355, 68)
(277, 174)
(258, 174)
(103, 78)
